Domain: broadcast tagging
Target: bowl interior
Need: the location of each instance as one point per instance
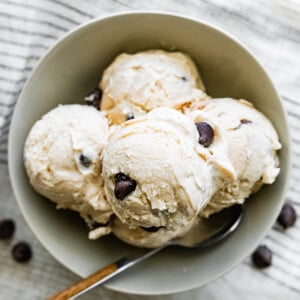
(70, 70)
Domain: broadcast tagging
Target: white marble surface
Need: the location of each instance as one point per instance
(271, 29)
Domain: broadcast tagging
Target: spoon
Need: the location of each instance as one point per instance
(205, 233)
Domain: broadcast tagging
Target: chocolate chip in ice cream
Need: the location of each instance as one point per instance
(151, 229)
(22, 252)
(94, 98)
(124, 185)
(84, 160)
(262, 257)
(287, 216)
(245, 121)
(129, 116)
(206, 133)
(7, 229)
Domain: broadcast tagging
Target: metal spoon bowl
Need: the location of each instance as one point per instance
(205, 233)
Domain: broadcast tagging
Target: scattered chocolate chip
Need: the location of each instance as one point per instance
(287, 216)
(183, 78)
(84, 160)
(151, 229)
(245, 121)
(21, 252)
(206, 133)
(124, 185)
(7, 229)
(94, 98)
(129, 116)
(262, 257)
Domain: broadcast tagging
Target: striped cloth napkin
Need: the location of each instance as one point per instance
(270, 29)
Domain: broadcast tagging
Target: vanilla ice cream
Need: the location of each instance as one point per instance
(63, 159)
(156, 173)
(252, 144)
(135, 84)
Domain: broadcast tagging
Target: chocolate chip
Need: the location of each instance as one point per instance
(129, 116)
(84, 160)
(242, 122)
(183, 78)
(151, 229)
(94, 98)
(262, 257)
(22, 252)
(206, 133)
(7, 229)
(124, 185)
(287, 216)
(245, 121)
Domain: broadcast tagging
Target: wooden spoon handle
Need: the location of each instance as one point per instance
(83, 284)
(104, 274)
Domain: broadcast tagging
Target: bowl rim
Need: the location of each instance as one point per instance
(67, 35)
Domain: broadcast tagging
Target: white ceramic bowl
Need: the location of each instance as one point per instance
(72, 68)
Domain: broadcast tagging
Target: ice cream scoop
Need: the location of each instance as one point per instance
(156, 173)
(252, 144)
(62, 156)
(136, 83)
